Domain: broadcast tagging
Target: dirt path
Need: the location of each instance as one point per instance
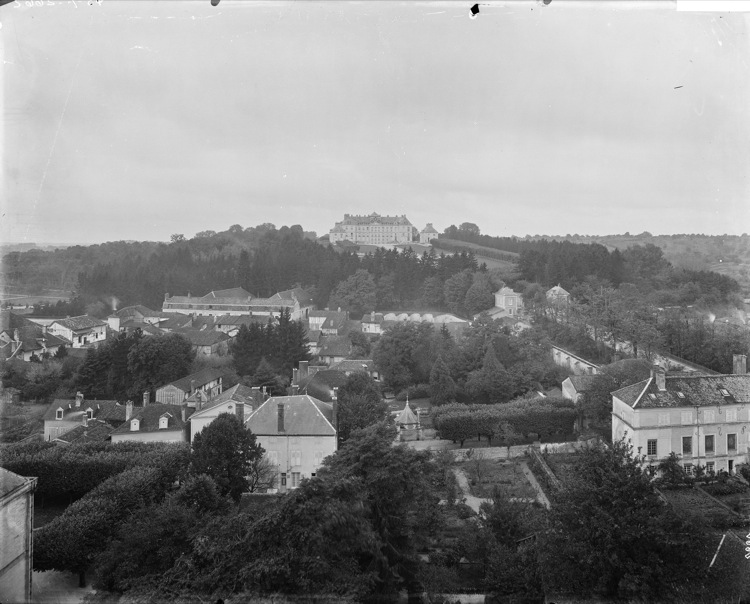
(540, 496)
(463, 482)
(53, 587)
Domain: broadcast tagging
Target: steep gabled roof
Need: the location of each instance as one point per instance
(303, 416)
(238, 393)
(103, 410)
(689, 390)
(202, 377)
(582, 382)
(334, 346)
(96, 431)
(148, 419)
(630, 395)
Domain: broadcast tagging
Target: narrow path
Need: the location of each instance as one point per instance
(540, 496)
(463, 482)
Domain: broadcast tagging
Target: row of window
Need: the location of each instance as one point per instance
(709, 445)
(707, 416)
(295, 458)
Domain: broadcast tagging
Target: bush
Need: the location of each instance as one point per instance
(74, 470)
(417, 391)
(744, 470)
(464, 512)
(729, 487)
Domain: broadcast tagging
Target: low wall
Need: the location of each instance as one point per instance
(578, 365)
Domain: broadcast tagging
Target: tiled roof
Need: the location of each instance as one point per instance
(557, 291)
(321, 384)
(303, 415)
(80, 323)
(352, 365)
(314, 335)
(375, 317)
(406, 416)
(238, 393)
(299, 294)
(630, 394)
(429, 228)
(175, 321)
(240, 320)
(149, 416)
(334, 346)
(582, 382)
(137, 309)
(234, 292)
(202, 377)
(103, 410)
(203, 338)
(146, 328)
(95, 431)
(350, 219)
(506, 291)
(702, 390)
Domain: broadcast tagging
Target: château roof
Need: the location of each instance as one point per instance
(148, 419)
(687, 391)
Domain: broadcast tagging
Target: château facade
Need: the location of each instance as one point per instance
(372, 230)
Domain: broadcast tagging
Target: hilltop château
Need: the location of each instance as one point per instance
(373, 229)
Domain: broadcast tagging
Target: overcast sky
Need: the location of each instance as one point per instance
(138, 119)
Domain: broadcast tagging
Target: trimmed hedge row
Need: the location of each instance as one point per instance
(73, 540)
(74, 470)
(542, 416)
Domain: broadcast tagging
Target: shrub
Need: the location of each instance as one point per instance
(417, 391)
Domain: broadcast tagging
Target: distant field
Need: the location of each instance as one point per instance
(22, 298)
(478, 249)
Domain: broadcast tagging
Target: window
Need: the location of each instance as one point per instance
(687, 445)
(731, 442)
(296, 458)
(664, 419)
(90, 413)
(312, 475)
(318, 458)
(709, 444)
(686, 417)
(283, 479)
(708, 417)
(134, 425)
(59, 414)
(688, 469)
(724, 391)
(710, 467)
(295, 479)
(731, 415)
(163, 422)
(651, 447)
(273, 457)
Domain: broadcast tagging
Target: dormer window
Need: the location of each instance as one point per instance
(163, 422)
(134, 425)
(724, 392)
(90, 413)
(59, 413)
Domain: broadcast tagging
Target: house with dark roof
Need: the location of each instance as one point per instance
(322, 384)
(575, 386)
(237, 400)
(349, 366)
(16, 536)
(90, 431)
(81, 331)
(206, 343)
(230, 324)
(557, 295)
(701, 418)
(334, 349)
(209, 381)
(63, 415)
(155, 423)
(22, 339)
(328, 322)
(297, 433)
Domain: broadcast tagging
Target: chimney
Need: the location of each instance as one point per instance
(295, 377)
(372, 316)
(166, 296)
(146, 397)
(280, 425)
(85, 419)
(183, 413)
(199, 400)
(739, 364)
(189, 296)
(659, 375)
(44, 329)
(15, 335)
(241, 413)
(79, 399)
(192, 386)
(266, 396)
(295, 389)
(114, 322)
(335, 416)
(128, 410)
(303, 370)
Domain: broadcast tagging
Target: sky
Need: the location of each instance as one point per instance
(134, 120)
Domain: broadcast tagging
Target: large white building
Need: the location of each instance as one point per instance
(705, 419)
(297, 433)
(372, 230)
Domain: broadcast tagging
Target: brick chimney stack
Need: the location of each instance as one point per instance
(241, 412)
(146, 397)
(280, 424)
(128, 410)
(303, 370)
(739, 364)
(79, 399)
